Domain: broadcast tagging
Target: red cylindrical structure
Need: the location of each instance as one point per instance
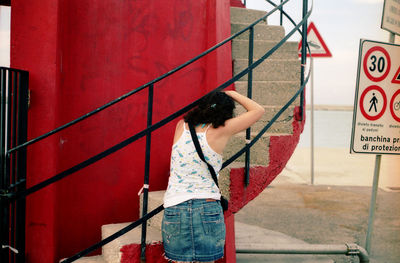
(81, 54)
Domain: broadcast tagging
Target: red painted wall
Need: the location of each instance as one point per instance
(34, 48)
(82, 54)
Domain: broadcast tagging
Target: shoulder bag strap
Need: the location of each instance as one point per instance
(200, 153)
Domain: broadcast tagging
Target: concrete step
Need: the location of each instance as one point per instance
(224, 179)
(273, 93)
(111, 251)
(261, 32)
(271, 70)
(240, 49)
(259, 152)
(94, 259)
(156, 198)
(246, 16)
(282, 125)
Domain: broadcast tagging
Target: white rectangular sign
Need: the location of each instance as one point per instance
(376, 117)
(391, 16)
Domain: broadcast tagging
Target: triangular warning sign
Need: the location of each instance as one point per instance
(396, 78)
(316, 43)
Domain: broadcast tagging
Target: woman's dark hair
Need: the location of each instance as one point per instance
(215, 108)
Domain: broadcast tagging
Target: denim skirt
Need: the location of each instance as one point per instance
(194, 231)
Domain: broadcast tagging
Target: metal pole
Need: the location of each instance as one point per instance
(373, 202)
(249, 95)
(303, 56)
(310, 249)
(312, 121)
(146, 174)
(3, 203)
(374, 188)
(391, 37)
(23, 87)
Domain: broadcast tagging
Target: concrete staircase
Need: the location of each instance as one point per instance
(275, 82)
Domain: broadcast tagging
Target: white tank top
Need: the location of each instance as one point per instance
(189, 175)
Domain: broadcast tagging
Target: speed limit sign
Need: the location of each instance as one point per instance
(376, 118)
(376, 63)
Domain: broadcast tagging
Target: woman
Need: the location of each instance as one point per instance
(193, 226)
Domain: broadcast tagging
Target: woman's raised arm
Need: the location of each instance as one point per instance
(244, 120)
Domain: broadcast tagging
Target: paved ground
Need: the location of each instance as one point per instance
(324, 214)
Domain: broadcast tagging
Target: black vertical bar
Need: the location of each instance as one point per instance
(2, 125)
(23, 86)
(7, 166)
(281, 14)
(13, 157)
(249, 94)
(303, 56)
(146, 172)
(4, 204)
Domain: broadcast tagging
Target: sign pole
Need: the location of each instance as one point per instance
(312, 121)
(318, 48)
(391, 37)
(375, 183)
(373, 202)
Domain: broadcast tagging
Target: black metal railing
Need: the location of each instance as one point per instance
(19, 194)
(13, 126)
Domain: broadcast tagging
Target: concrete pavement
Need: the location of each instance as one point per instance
(291, 211)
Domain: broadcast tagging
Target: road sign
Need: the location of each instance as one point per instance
(376, 118)
(317, 45)
(391, 16)
(376, 63)
(396, 77)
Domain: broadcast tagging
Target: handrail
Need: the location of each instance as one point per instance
(126, 95)
(310, 249)
(159, 124)
(155, 126)
(152, 127)
(226, 163)
(160, 208)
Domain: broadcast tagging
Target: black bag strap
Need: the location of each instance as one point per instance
(200, 153)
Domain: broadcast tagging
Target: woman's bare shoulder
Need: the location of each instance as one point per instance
(178, 130)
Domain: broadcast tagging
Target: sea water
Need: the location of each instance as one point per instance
(332, 129)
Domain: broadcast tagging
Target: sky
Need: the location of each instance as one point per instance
(341, 23)
(4, 36)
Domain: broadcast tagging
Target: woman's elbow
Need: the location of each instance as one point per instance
(260, 112)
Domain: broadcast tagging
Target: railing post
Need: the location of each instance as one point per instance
(20, 176)
(7, 168)
(13, 126)
(249, 95)
(13, 158)
(303, 56)
(281, 14)
(146, 173)
(3, 203)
